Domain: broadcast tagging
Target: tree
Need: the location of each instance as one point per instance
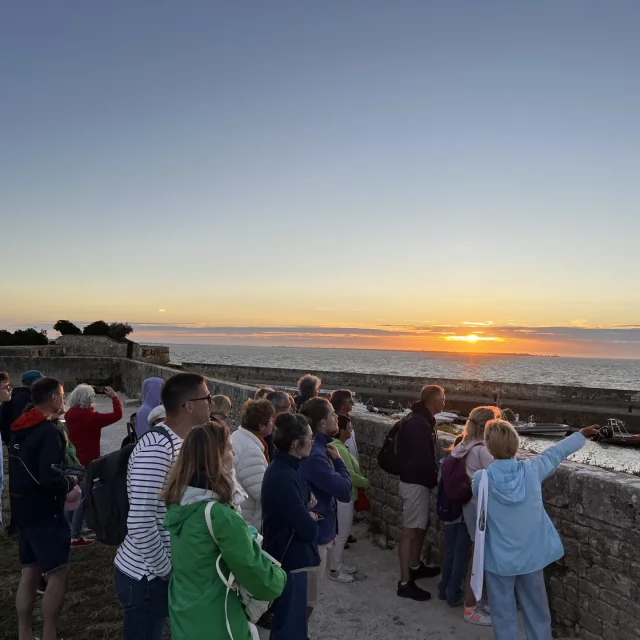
(120, 330)
(29, 337)
(6, 338)
(67, 328)
(97, 328)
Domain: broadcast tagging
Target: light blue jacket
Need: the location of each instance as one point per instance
(520, 536)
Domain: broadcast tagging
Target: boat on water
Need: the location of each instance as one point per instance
(618, 434)
(531, 427)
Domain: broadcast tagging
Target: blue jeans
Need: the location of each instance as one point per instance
(456, 554)
(532, 595)
(290, 610)
(145, 604)
(76, 517)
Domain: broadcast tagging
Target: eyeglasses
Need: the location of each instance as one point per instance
(8, 387)
(208, 398)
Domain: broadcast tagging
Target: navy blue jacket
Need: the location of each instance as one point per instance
(330, 481)
(12, 410)
(288, 529)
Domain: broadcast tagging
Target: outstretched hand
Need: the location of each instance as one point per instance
(588, 432)
(109, 392)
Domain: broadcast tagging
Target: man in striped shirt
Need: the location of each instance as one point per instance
(143, 561)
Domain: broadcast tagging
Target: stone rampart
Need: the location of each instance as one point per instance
(575, 406)
(594, 589)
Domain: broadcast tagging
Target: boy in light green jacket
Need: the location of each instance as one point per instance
(341, 572)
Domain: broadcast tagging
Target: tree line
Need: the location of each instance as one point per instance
(33, 337)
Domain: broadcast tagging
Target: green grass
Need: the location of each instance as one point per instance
(91, 610)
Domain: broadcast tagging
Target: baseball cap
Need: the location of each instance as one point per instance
(156, 413)
(30, 377)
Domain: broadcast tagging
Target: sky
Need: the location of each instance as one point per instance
(458, 176)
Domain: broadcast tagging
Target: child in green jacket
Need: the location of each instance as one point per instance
(200, 605)
(341, 572)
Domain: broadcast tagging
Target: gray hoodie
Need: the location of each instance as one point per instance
(476, 456)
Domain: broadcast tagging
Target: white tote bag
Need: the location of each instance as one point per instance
(477, 570)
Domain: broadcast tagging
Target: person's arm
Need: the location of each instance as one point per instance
(334, 481)
(102, 420)
(549, 460)
(148, 470)
(252, 569)
(250, 474)
(51, 452)
(293, 509)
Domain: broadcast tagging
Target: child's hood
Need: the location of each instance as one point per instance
(507, 482)
(462, 449)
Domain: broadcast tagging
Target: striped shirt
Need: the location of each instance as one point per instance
(146, 550)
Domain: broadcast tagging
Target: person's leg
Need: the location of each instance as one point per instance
(289, 616)
(502, 600)
(77, 522)
(469, 597)
(448, 551)
(53, 601)
(345, 523)
(26, 600)
(315, 580)
(532, 595)
(455, 593)
(417, 542)
(404, 553)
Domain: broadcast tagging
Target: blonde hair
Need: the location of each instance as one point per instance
(220, 406)
(200, 457)
(478, 418)
(501, 439)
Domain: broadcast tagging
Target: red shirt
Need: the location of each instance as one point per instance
(84, 426)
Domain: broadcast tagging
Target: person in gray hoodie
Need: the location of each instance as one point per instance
(476, 457)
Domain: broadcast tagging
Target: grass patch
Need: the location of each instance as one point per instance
(91, 610)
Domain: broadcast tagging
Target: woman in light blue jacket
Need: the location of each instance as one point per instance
(520, 539)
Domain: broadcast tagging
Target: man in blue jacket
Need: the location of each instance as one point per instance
(329, 480)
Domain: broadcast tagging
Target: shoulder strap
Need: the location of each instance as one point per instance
(162, 431)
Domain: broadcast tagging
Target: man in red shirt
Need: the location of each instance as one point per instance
(84, 425)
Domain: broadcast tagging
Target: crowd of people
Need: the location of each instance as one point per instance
(227, 528)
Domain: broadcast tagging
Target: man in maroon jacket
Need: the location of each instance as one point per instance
(417, 445)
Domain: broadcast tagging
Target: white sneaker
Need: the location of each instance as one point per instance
(349, 569)
(341, 576)
(476, 615)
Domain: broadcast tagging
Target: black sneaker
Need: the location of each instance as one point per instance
(424, 572)
(351, 540)
(412, 591)
(266, 620)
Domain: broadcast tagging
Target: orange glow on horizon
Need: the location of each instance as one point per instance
(473, 338)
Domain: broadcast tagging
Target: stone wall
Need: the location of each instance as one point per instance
(155, 354)
(43, 351)
(70, 370)
(594, 589)
(575, 406)
(95, 346)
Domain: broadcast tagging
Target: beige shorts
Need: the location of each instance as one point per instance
(316, 577)
(415, 505)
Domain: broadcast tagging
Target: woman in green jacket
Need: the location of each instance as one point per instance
(199, 605)
(341, 572)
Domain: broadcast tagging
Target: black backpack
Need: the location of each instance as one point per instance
(106, 500)
(388, 459)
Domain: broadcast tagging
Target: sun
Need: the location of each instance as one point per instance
(473, 338)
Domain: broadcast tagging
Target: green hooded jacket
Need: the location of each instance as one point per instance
(358, 481)
(196, 592)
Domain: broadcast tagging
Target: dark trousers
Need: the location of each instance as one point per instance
(290, 610)
(455, 555)
(145, 604)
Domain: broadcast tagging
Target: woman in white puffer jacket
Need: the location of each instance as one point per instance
(252, 456)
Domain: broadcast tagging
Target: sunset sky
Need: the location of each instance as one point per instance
(458, 176)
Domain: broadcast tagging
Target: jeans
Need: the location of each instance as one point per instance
(1, 484)
(76, 517)
(455, 556)
(532, 595)
(145, 604)
(290, 610)
(345, 524)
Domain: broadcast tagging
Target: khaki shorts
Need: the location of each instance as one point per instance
(316, 577)
(415, 505)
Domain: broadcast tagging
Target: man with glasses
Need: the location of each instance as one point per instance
(12, 409)
(143, 560)
(342, 401)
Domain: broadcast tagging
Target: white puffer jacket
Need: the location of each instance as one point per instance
(250, 465)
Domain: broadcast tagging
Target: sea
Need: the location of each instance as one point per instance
(583, 372)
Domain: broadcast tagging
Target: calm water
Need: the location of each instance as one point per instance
(585, 372)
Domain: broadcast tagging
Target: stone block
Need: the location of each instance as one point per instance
(611, 580)
(589, 623)
(585, 634)
(588, 588)
(629, 623)
(562, 609)
(604, 611)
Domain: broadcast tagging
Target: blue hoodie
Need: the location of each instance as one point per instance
(151, 388)
(520, 536)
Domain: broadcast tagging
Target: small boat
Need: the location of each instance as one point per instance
(533, 428)
(447, 417)
(620, 434)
